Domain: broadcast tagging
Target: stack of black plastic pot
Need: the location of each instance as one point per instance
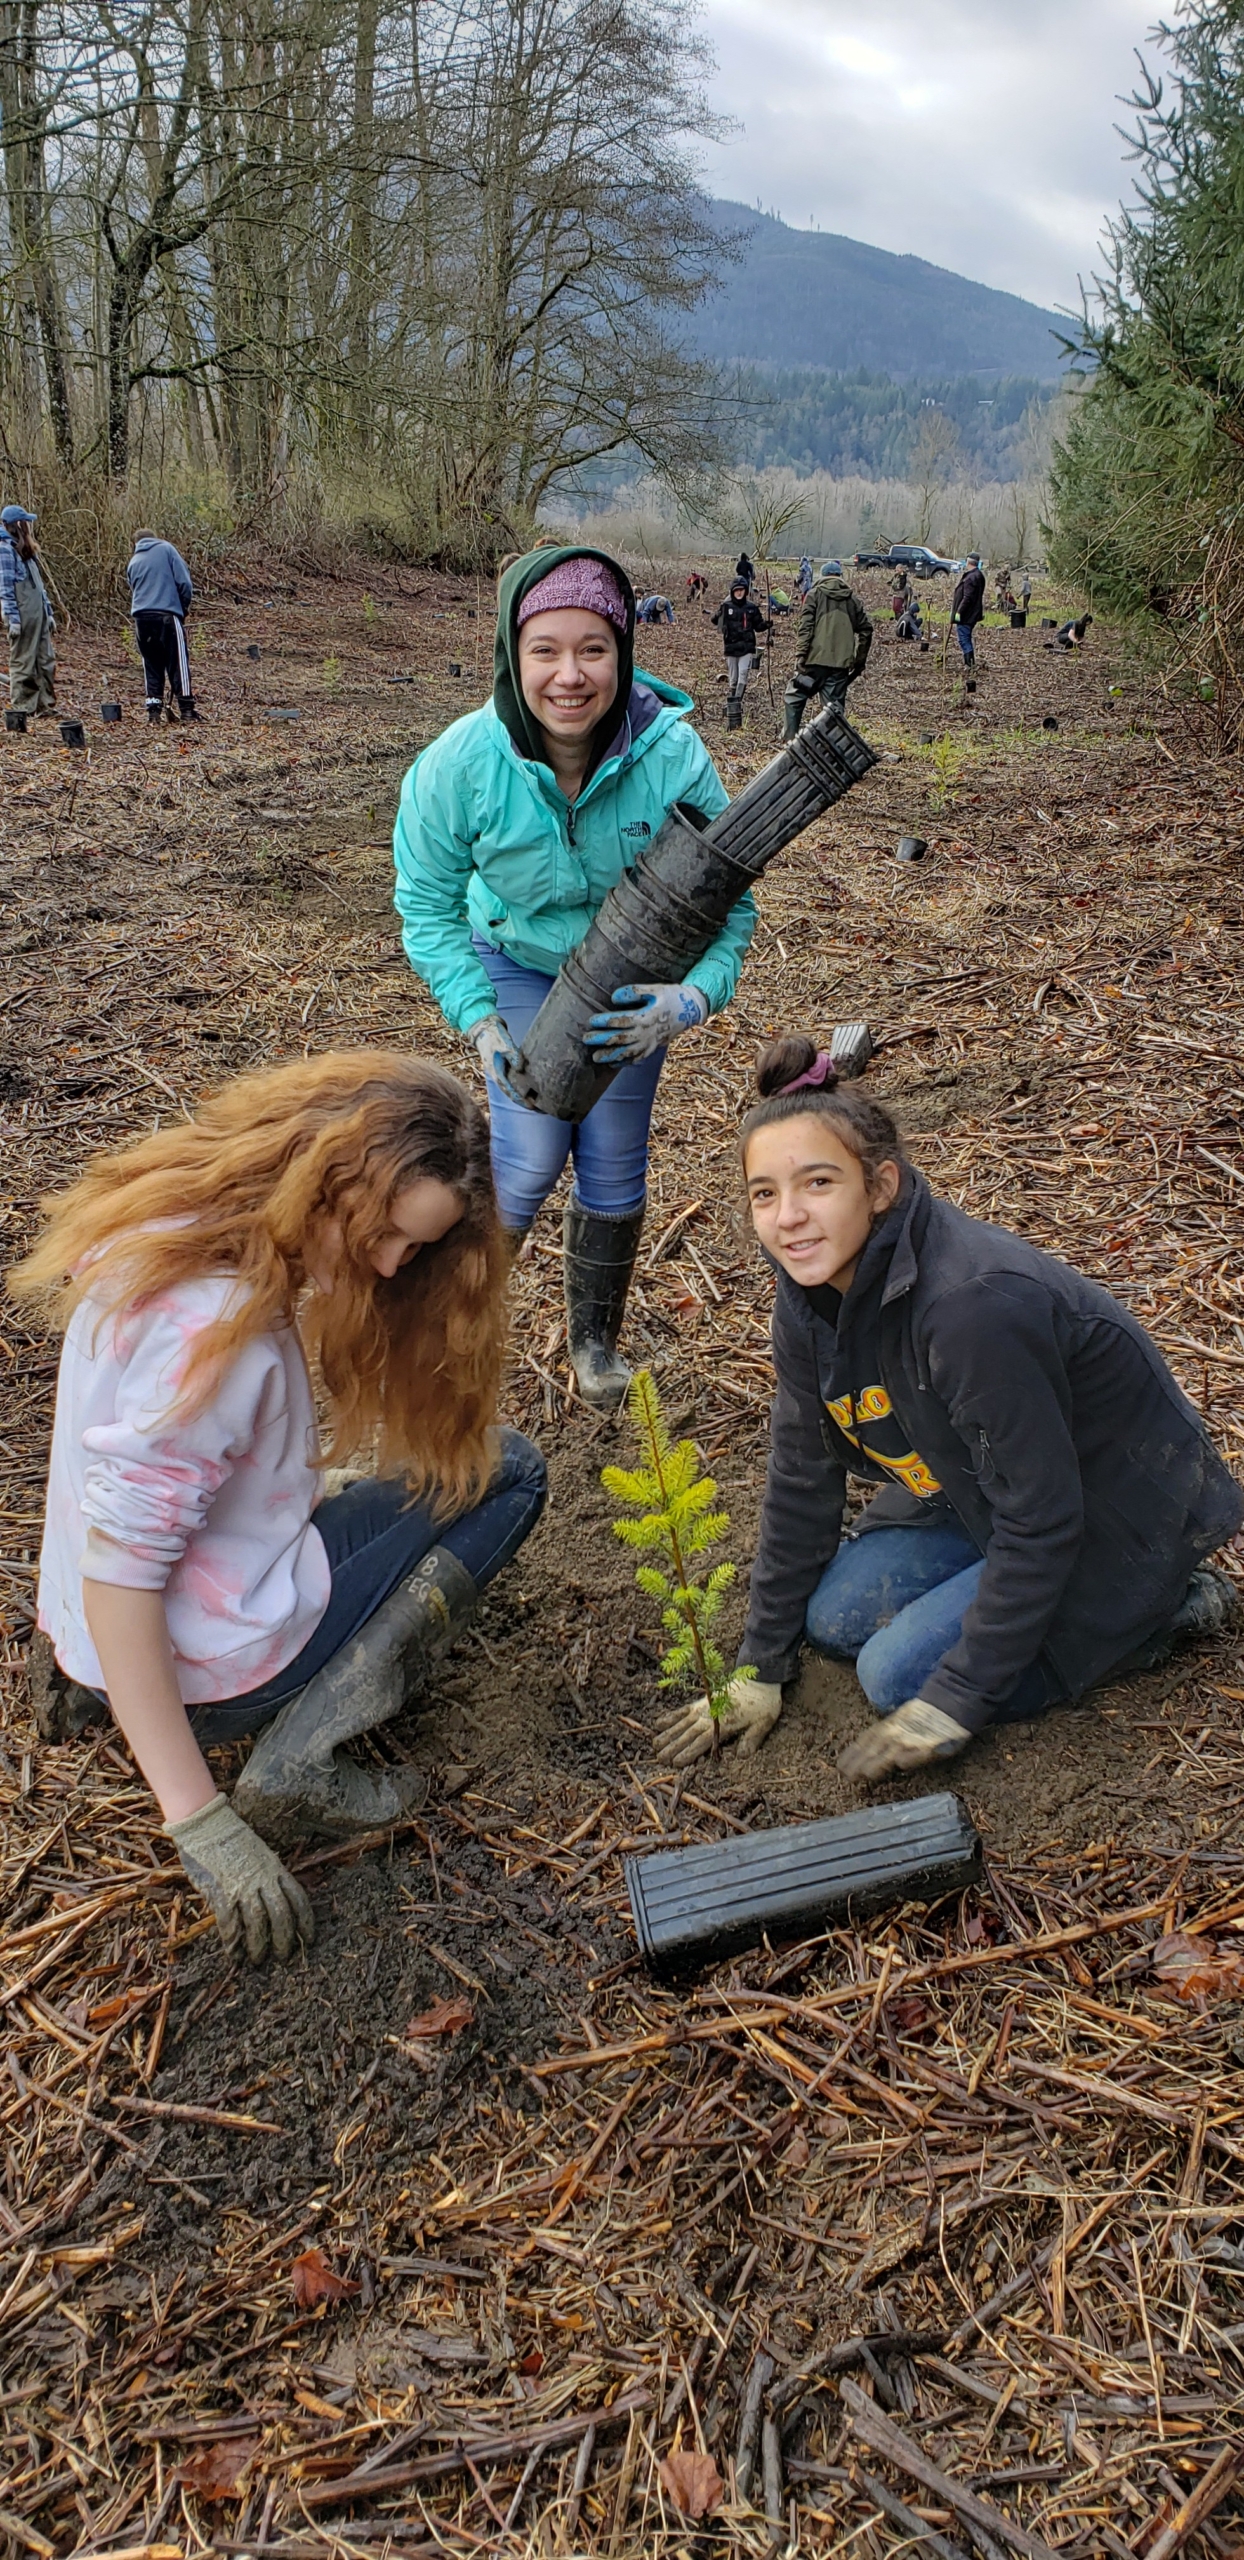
(661, 916)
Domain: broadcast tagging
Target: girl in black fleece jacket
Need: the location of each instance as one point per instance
(1046, 1498)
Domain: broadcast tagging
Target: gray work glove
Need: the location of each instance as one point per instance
(497, 1053)
(254, 1899)
(653, 1017)
(687, 1734)
(909, 1739)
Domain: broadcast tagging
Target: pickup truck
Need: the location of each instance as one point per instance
(915, 556)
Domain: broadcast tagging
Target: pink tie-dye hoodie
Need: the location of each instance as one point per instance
(214, 1510)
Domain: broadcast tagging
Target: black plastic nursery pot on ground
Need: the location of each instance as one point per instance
(661, 916)
(693, 1905)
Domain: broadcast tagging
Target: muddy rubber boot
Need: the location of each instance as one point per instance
(598, 1259)
(297, 1781)
(734, 713)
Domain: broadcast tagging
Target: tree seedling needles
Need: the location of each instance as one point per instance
(678, 1521)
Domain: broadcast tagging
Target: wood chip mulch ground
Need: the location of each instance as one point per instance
(463, 2234)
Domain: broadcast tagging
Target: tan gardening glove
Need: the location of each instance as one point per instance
(687, 1734)
(255, 1901)
(909, 1739)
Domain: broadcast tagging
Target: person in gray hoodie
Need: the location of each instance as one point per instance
(161, 594)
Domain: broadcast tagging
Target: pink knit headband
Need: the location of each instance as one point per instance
(822, 1071)
(583, 583)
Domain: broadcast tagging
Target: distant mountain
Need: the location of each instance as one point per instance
(805, 419)
(814, 298)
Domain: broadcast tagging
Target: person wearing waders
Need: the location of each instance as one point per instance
(333, 1219)
(1046, 1498)
(740, 623)
(832, 640)
(161, 595)
(967, 609)
(512, 828)
(28, 616)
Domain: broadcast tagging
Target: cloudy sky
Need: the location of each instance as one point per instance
(979, 136)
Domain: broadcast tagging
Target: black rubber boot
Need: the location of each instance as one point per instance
(296, 1780)
(188, 707)
(598, 1259)
(155, 713)
(792, 714)
(1209, 1605)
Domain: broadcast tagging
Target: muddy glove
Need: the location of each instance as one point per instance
(255, 1901)
(654, 1017)
(687, 1734)
(909, 1739)
(497, 1053)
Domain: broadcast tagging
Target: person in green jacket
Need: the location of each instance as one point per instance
(512, 828)
(833, 638)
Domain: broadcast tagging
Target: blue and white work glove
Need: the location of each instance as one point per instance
(497, 1053)
(653, 1017)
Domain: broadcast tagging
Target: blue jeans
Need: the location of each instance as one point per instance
(609, 1148)
(374, 1535)
(893, 1602)
(965, 634)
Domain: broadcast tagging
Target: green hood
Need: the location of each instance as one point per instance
(507, 692)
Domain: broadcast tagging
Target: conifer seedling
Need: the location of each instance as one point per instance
(678, 1521)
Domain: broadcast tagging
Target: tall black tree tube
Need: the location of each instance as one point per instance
(661, 916)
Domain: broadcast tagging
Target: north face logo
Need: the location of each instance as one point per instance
(637, 827)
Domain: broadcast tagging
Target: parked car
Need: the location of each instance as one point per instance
(916, 556)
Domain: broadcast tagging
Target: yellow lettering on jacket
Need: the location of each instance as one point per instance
(873, 1405)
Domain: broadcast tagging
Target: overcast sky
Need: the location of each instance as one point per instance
(979, 136)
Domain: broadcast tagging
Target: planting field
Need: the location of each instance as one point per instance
(461, 2234)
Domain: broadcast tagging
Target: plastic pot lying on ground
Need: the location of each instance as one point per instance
(661, 916)
(693, 1905)
(16, 720)
(910, 849)
(110, 713)
(73, 733)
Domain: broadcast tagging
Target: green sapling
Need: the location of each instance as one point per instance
(679, 1522)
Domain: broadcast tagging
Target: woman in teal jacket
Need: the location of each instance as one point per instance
(513, 827)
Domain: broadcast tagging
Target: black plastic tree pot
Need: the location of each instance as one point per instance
(661, 916)
(16, 720)
(693, 1905)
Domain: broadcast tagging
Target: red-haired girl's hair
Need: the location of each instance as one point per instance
(410, 1367)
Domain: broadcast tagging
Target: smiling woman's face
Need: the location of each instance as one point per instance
(568, 669)
(812, 1205)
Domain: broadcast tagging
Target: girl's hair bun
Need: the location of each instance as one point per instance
(780, 1061)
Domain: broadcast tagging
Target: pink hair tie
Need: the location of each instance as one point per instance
(822, 1071)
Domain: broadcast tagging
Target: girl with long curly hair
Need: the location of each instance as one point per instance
(338, 1214)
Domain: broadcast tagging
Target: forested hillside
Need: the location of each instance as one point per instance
(798, 298)
(868, 425)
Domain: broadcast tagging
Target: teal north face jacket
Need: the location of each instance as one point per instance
(487, 843)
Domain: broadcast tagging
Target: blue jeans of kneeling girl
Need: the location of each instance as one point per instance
(893, 1602)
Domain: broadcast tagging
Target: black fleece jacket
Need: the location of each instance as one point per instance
(1022, 1396)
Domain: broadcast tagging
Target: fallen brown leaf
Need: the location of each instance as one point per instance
(694, 2483)
(444, 2018)
(1195, 1970)
(315, 2281)
(217, 2470)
